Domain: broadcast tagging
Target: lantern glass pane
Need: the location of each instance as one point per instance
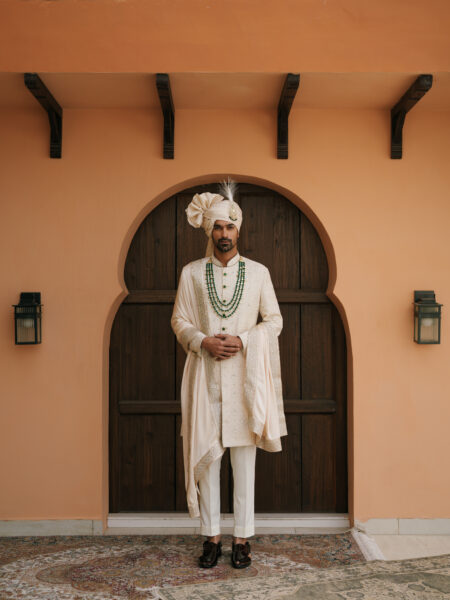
(27, 325)
(429, 324)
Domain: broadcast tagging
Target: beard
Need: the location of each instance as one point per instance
(224, 245)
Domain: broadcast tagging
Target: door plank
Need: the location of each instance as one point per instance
(147, 352)
(318, 464)
(290, 357)
(147, 466)
(278, 474)
(316, 351)
(284, 296)
(314, 266)
(150, 262)
(149, 407)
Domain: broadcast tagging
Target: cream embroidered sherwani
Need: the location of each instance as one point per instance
(236, 401)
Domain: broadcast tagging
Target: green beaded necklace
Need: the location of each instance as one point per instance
(225, 309)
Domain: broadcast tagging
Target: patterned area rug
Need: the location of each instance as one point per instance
(413, 579)
(144, 567)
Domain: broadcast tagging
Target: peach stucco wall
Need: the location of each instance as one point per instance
(65, 228)
(66, 224)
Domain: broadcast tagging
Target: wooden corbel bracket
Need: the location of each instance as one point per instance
(288, 93)
(165, 98)
(398, 113)
(55, 113)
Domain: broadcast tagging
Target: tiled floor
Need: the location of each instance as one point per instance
(396, 547)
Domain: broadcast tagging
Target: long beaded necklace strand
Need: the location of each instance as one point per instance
(225, 309)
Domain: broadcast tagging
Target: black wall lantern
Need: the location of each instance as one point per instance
(427, 318)
(27, 318)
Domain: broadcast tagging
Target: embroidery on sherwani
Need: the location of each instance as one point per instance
(187, 418)
(235, 430)
(198, 276)
(259, 415)
(214, 392)
(274, 352)
(213, 454)
(253, 379)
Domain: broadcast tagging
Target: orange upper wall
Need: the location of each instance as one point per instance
(217, 35)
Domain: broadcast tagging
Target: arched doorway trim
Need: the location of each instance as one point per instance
(330, 255)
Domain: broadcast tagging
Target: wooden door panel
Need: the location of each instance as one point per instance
(151, 258)
(226, 484)
(147, 474)
(290, 359)
(147, 353)
(316, 351)
(314, 266)
(318, 463)
(278, 474)
(269, 235)
(146, 363)
(256, 235)
(285, 218)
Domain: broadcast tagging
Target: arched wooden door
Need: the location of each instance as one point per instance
(146, 364)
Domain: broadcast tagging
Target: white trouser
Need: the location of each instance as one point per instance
(243, 465)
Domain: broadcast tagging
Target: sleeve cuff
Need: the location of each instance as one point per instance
(195, 343)
(244, 338)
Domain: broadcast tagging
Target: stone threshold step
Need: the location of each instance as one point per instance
(264, 523)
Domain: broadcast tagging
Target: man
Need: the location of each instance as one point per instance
(231, 387)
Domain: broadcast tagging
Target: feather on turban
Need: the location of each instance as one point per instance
(207, 208)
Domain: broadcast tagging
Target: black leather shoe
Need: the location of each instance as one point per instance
(211, 553)
(240, 555)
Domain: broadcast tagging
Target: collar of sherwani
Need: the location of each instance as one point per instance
(230, 263)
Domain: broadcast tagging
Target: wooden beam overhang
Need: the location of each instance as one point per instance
(288, 93)
(55, 113)
(165, 98)
(398, 113)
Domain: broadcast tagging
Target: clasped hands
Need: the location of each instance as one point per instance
(222, 346)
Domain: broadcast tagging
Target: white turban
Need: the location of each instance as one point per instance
(205, 209)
